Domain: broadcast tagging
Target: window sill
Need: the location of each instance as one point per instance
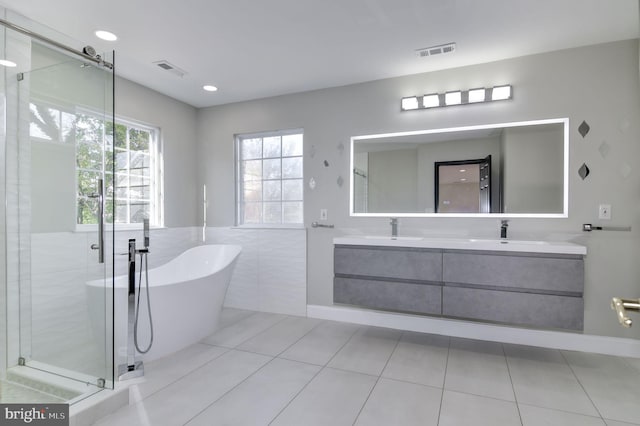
(119, 228)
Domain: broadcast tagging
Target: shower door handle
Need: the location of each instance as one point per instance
(100, 197)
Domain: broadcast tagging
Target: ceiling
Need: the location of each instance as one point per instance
(253, 49)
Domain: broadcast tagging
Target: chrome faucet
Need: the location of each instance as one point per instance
(394, 227)
(504, 224)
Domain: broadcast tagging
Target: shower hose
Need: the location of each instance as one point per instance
(143, 256)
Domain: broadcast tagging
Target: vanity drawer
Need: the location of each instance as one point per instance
(396, 296)
(555, 273)
(540, 310)
(385, 262)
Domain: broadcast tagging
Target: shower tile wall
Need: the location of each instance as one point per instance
(61, 324)
(270, 274)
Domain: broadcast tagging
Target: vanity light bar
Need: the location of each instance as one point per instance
(459, 97)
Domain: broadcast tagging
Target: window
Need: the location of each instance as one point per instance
(270, 178)
(136, 178)
(130, 167)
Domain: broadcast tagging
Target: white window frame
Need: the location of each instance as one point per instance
(156, 175)
(239, 188)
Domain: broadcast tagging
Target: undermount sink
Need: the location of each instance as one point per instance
(387, 237)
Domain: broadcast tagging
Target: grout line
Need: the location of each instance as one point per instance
(230, 390)
(444, 380)
(296, 395)
(513, 388)
(378, 378)
(581, 385)
(301, 337)
(182, 376)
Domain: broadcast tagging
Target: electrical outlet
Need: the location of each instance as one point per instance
(324, 215)
(604, 212)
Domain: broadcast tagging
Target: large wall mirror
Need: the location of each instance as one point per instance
(495, 170)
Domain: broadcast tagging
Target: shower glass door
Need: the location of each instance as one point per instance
(66, 153)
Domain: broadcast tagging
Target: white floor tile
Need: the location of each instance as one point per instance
(206, 384)
(260, 398)
(235, 334)
(230, 316)
(612, 385)
(333, 397)
(478, 368)
(184, 399)
(279, 337)
(399, 403)
(536, 416)
(541, 377)
(368, 351)
(460, 409)
(164, 371)
(419, 358)
(321, 344)
(617, 423)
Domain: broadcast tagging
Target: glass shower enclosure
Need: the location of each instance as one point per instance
(57, 183)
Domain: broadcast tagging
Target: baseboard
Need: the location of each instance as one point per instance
(473, 330)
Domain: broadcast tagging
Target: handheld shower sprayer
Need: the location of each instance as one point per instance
(146, 233)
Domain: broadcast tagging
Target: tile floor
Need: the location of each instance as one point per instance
(262, 369)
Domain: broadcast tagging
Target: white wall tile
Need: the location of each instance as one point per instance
(270, 274)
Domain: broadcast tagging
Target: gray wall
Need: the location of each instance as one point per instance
(177, 122)
(571, 83)
(393, 181)
(533, 163)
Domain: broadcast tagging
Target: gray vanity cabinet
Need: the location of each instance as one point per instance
(397, 279)
(530, 289)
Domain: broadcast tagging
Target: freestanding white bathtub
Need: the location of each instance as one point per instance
(186, 295)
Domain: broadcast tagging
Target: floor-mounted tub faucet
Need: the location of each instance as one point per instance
(394, 227)
(504, 224)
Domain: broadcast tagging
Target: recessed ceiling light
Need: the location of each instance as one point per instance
(463, 170)
(106, 35)
(210, 88)
(6, 63)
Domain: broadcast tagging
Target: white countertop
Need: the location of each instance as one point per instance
(558, 247)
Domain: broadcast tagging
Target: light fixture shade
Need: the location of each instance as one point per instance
(431, 101)
(500, 93)
(477, 95)
(409, 103)
(453, 98)
(458, 97)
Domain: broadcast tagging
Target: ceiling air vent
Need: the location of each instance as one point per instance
(167, 66)
(436, 50)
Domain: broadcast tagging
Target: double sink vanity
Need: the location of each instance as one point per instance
(526, 283)
(499, 171)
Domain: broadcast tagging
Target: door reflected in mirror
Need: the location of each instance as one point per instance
(463, 186)
(511, 169)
